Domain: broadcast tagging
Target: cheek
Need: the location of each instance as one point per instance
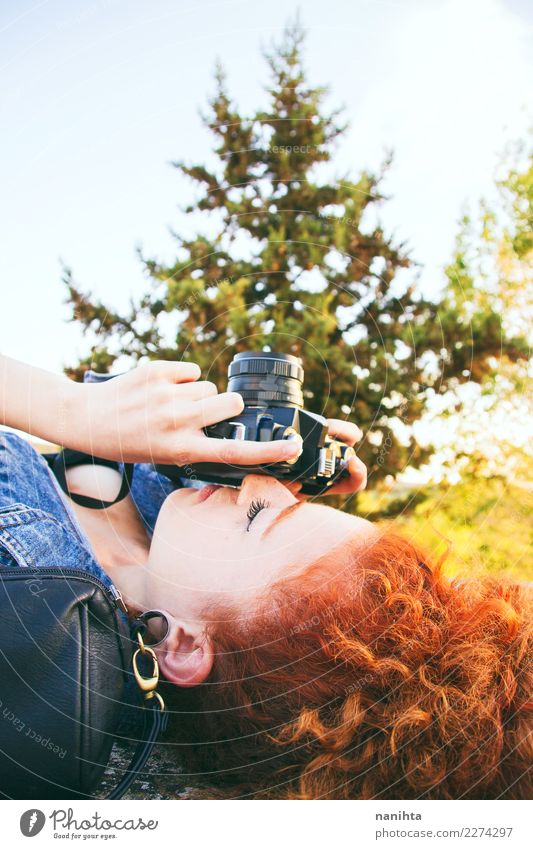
(188, 558)
(181, 582)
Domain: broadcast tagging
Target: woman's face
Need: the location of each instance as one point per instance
(224, 545)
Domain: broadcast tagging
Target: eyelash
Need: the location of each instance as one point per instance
(254, 509)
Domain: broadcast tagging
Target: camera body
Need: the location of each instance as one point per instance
(271, 387)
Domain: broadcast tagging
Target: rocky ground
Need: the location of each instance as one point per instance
(161, 778)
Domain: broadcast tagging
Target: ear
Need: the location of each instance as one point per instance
(185, 658)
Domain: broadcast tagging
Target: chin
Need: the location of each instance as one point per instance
(174, 507)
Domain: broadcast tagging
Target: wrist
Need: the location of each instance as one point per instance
(70, 420)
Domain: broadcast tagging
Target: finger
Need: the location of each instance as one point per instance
(295, 489)
(208, 411)
(294, 486)
(243, 452)
(347, 432)
(174, 372)
(196, 390)
(355, 482)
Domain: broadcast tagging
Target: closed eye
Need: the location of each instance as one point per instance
(254, 509)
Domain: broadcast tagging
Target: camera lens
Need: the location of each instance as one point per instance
(267, 379)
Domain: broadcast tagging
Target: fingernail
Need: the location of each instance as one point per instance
(293, 447)
(238, 398)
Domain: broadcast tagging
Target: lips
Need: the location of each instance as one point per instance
(208, 490)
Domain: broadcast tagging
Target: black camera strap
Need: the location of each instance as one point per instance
(67, 458)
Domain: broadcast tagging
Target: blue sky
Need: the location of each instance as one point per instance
(98, 97)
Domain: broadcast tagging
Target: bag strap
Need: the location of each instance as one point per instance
(155, 715)
(156, 720)
(65, 459)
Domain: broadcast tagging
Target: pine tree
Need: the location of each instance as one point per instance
(296, 266)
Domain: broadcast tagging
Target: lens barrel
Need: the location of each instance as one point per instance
(267, 379)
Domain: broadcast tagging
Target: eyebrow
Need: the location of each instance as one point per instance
(283, 514)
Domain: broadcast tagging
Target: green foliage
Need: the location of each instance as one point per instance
(490, 287)
(491, 272)
(487, 526)
(297, 261)
(517, 191)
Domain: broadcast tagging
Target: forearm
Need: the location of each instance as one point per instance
(37, 401)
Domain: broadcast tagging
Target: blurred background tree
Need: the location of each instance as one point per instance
(481, 431)
(492, 273)
(300, 263)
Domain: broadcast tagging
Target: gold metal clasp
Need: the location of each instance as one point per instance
(147, 685)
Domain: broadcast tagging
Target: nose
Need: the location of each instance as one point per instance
(263, 486)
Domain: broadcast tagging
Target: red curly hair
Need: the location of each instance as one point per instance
(370, 676)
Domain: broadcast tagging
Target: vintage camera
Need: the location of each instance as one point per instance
(271, 387)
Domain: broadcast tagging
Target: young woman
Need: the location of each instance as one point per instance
(307, 653)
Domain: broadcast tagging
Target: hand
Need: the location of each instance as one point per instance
(350, 434)
(156, 413)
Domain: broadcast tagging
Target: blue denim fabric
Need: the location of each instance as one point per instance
(38, 528)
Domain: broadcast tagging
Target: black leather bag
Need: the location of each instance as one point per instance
(66, 651)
